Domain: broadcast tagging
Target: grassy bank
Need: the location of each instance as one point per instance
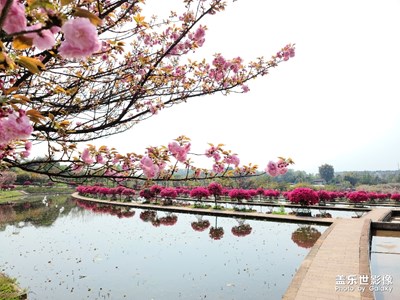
(9, 290)
(10, 196)
(20, 193)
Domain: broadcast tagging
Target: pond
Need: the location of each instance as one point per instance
(385, 262)
(61, 250)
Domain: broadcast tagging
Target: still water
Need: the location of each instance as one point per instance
(385, 262)
(61, 250)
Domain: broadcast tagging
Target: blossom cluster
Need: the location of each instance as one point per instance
(14, 126)
(277, 168)
(80, 35)
(193, 41)
(154, 162)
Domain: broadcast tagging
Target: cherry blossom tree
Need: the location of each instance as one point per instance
(76, 71)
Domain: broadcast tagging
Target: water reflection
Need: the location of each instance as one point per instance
(200, 225)
(242, 229)
(385, 261)
(40, 212)
(120, 212)
(92, 254)
(305, 236)
(216, 233)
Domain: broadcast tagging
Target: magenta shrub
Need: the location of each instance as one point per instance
(358, 197)
(303, 196)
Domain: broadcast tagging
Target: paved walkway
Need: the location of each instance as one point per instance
(342, 253)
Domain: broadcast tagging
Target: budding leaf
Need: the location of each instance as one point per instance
(34, 65)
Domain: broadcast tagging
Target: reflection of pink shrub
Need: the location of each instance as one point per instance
(216, 233)
(305, 237)
(200, 225)
(241, 230)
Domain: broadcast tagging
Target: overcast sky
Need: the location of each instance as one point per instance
(336, 102)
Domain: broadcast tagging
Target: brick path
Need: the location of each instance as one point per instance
(343, 249)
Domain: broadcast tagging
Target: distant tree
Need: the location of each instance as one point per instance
(351, 178)
(326, 172)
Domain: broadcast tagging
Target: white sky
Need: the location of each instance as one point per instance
(336, 102)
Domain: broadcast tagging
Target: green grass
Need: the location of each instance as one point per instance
(9, 289)
(281, 211)
(47, 190)
(6, 196)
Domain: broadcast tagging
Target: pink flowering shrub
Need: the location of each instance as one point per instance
(80, 39)
(215, 189)
(169, 193)
(199, 193)
(358, 197)
(271, 194)
(303, 196)
(156, 189)
(182, 191)
(239, 194)
(395, 197)
(324, 195)
(146, 194)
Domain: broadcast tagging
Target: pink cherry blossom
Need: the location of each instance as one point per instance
(213, 152)
(272, 169)
(86, 157)
(179, 152)
(100, 159)
(149, 168)
(42, 40)
(14, 126)
(282, 171)
(232, 160)
(218, 168)
(28, 146)
(80, 39)
(15, 20)
(245, 88)
(25, 154)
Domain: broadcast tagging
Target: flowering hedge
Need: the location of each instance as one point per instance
(358, 197)
(303, 196)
